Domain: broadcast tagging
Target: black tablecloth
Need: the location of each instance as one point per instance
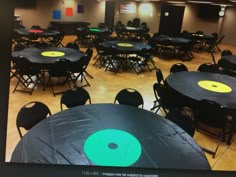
(46, 33)
(60, 138)
(35, 54)
(186, 83)
(196, 36)
(136, 46)
(132, 29)
(175, 41)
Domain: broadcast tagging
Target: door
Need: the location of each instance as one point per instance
(109, 13)
(171, 19)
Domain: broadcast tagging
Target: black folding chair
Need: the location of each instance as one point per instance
(60, 69)
(74, 97)
(129, 96)
(178, 67)
(30, 115)
(27, 73)
(78, 70)
(218, 123)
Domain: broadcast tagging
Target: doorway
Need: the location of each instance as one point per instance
(171, 19)
(109, 13)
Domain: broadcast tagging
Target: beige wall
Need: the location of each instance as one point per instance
(95, 12)
(40, 15)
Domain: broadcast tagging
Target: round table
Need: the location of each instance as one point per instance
(49, 55)
(133, 29)
(203, 85)
(175, 41)
(39, 32)
(196, 36)
(110, 135)
(126, 47)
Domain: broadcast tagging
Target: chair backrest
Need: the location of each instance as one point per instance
(129, 23)
(129, 96)
(215, 36)
(184, 118)
(18, 47)
(199, 32)
(99, 48)
(111, 51)
(36, 27)
(147, 54)
(60, 68)
(165, 96)
(226, 52)
(72, 45)
(80, 65)
(225, 64)
(136, 22)
(159, 76)
(143, 25)
(31, 114)
(178, 67)
(74, 97)
(211, 113)
(208, 67)
(101, 25)
(24, 66)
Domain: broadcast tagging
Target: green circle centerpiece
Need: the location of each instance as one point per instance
(52, 54)
(123, 44)
(214, 86)
(94, 29)
(112, 147)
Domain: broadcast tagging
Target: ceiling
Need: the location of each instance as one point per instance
(213, 2)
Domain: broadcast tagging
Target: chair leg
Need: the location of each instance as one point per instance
(213, 153)
(86, 81)
(218, 144)
(158, 108)
(154, 105)
(88, 74)
(82, 77)
(26, 82)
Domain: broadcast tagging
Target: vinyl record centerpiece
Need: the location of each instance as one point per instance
(214, 86)
(112, 147)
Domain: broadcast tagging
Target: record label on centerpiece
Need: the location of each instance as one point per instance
(123, 44)
(35, 31)
(215, 86)
(112, 147)
(94, 29)
(52, 54)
